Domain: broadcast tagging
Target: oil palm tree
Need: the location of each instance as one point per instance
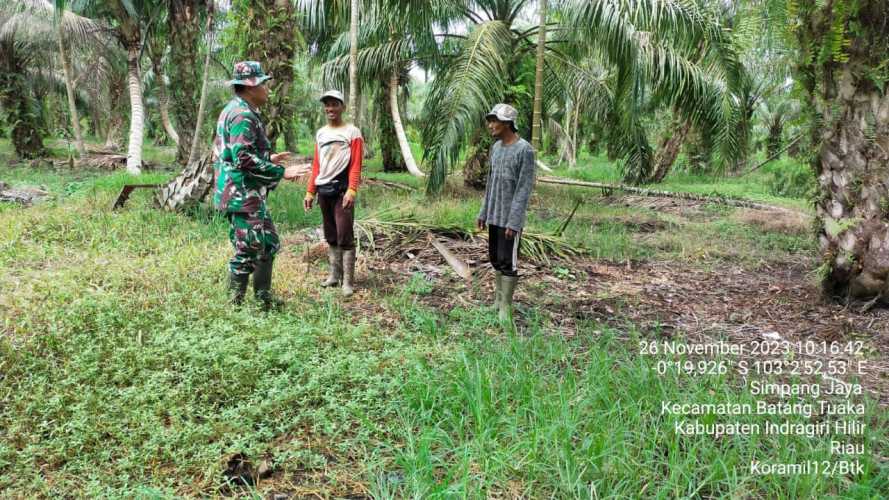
(843, 73)
(184, 29)
(267, 31)
(129, 20)
(28, 31)
(385, 57)
(15, 97)
(648, 45)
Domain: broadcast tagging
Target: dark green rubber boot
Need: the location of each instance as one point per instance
(508, 287)
(237, 285)
(498, 289)
(262, 285)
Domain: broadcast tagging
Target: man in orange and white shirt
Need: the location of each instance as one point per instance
(336, 174)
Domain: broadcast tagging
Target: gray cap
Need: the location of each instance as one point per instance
(336, 94)
(504, 113)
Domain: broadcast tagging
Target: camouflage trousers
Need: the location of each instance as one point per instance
(254, 237)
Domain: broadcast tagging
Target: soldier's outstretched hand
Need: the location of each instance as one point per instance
(277, 158)
(292, 172)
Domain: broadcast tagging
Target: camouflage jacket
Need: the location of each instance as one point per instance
(244, 173)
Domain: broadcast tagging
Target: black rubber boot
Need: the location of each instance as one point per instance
(262, 284)
(237, 285)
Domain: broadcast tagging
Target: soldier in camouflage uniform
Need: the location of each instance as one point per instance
(246, 172)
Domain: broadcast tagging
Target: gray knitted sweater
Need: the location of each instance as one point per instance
(509, 185)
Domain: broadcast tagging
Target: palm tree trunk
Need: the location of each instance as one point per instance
(137, 111)
(353, 64)
(773, 142)
(195, 138)
(190, 187)
(163, 99)
(475, 170)
(115, 111)
(390, 150)
(669, 150)
(275, 47)
(399, 127)
(184, 26)
(574, 129)
(69, 87)
(536, 131)
(853, 168)
(848, 109)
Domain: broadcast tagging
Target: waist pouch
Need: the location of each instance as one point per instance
(337, 186)
(332, 188)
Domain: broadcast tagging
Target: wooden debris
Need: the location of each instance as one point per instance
(459, 267)
(24, 195)
(773, 157)
(125, 192)
(543, 166)
(102, 160)
(568, 220)
(721, 200)
(373, 181)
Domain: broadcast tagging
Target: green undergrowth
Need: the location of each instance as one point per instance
(534, 416)
(124, 374)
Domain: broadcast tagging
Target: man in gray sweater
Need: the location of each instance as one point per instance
(507, 192)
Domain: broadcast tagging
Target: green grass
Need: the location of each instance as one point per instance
(124, 374)
(541, 417)
(755, 186)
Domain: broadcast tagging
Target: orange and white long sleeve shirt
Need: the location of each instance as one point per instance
(337, 150)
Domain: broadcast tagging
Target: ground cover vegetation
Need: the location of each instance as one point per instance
(125, 373)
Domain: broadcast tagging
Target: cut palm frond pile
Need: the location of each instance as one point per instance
(406, 229)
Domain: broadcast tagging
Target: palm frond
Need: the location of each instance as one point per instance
(461, 95)
(588, 86)
(34, 21)
(373, 62)
(400, 222)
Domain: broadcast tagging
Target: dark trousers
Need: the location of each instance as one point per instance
(338, 221)
(502, 251)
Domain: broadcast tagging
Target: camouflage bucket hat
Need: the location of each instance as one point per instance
(249, 74)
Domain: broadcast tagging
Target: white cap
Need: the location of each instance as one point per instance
(504, 113)
(336, 94)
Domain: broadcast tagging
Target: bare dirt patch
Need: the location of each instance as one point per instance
(780, 222)
(729, 303)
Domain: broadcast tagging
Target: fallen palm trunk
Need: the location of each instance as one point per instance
(722, 200)
(104, 160)
(773, 157)
(389, 184)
